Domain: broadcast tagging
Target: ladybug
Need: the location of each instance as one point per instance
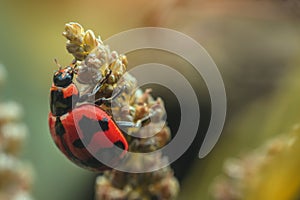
(83, 132)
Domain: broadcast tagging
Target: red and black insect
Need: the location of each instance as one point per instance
(82, 131)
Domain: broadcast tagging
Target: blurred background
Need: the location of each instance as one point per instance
(254, 43)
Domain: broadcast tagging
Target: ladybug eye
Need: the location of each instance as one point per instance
(62, 79)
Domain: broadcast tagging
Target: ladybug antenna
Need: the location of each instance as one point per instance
(74, 66)
(58, 65)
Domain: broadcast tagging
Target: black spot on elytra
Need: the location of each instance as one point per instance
(59, 128)
(78, 144)
(103, 124)
(120, 145)
(89, 127)
(60, 131)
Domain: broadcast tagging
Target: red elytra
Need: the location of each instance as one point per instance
(85, 134)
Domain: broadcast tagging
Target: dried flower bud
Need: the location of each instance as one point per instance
(22, 196)
(124, 59)
(10, 111)
(166, 188)
(90, 41)
(98, 64)
(258, 175)
(104, 191)
(71, 47)
(88, 75)
(74, 32)
(15, 175)
(163, 137)
(12, 135)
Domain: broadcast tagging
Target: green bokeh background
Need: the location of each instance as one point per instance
(30, 40)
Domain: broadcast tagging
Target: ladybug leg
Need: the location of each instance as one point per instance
(96, 88)
(87, 96)
(140, 123)
(114, 96)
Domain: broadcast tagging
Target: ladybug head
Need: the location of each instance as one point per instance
(63, 77)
